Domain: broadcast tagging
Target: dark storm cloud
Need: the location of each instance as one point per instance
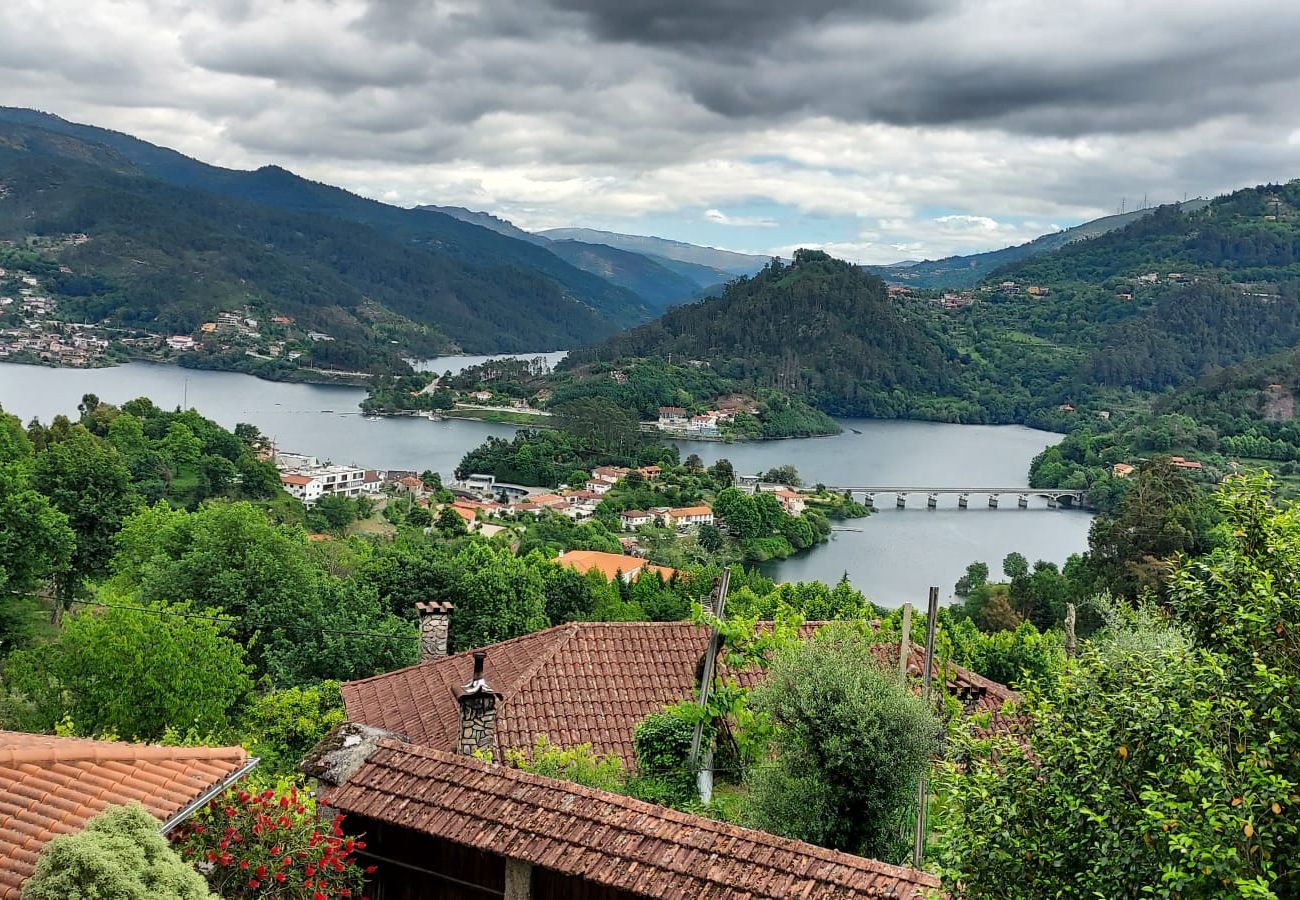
(731, 22)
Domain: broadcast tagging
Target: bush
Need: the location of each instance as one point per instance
(850, 744)
(580, 765)
(270, 844)
(283, 725)
(119, 855)
(662, 742)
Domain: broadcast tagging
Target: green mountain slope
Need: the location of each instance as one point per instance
(819, 329)
(967, 271)
(726, 261)
(168, 258)
(473, 246)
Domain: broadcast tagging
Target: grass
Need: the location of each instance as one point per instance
(501, 417)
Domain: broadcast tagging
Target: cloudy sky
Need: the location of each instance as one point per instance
(880, 129)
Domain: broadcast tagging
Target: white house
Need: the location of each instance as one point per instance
(686, 516)
(303, 487)
(791, 501)
(181, 342)
(634, 518)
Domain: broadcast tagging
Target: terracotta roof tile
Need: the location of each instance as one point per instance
(604, 838)
(584, 682)
(51, 786)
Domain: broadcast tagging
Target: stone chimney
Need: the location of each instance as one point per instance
(435, 629)
(478, 712)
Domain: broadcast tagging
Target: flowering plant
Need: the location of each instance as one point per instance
(255, 846)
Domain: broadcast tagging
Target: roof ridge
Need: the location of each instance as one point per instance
(570, 629)
(729, 829)
(60, 749)
(434, 663)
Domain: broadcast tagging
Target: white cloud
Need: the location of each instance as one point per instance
(718, 217)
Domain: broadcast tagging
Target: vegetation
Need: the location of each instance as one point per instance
(851, 743)
(211, 239)
(271, 844)
(119, 854)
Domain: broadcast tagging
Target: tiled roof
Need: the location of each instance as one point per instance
(626, 844)
(300, 480)
(584, 682)
(611, 565)
(51, 786)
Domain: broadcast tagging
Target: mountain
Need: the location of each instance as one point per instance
(967, 271)
(489, 221)
(725, 261)
(819, 328)
(480, 267)
(659, 285)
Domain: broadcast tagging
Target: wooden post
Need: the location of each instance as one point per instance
(1071, 643)
(704, 779)
(905, 643)
(918, 847)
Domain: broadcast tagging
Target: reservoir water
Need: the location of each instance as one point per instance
(893, 556)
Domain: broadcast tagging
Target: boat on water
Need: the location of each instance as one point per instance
(433, 416)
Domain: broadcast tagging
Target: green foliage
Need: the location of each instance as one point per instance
(498, 596)
(662, 741)
(132, 673)
(850, 745)
(1019, 658)
(579, 764)
(1160, 766)
(119, 855)
(281, 726)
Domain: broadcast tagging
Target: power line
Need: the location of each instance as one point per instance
(217, 617)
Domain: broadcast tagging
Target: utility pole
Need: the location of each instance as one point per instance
(927, 672)
(718, 606)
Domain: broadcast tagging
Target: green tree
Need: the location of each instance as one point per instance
(977, 574)
(120, 854)
(738, 512)
(181, 445)
(86, 480)
(132, 673)
(1015, 566)
(723, 472)
(850, 744)
(281, 726)
(497, 595)
(449, 522)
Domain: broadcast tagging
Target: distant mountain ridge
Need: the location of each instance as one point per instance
(968, 271)
(727, 261)
(659, 282)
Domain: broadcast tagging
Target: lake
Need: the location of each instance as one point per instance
(893, 556)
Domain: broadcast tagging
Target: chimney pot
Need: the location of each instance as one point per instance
(478, 713)
(479, 657)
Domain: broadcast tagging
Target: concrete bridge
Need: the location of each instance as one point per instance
(1056, 497)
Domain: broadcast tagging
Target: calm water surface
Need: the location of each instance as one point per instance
(893, 556)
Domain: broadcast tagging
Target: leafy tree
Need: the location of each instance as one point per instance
(1015, 566)
(497, 595)
(35, 544)
(977, 574)
(710, 538)
(119, 854)
(450, 522)
(723, 472)
(87, 481)
(786, 474)
(281, 726)
(131, 673)
(739, 512)
(1160, 767)
(850, 745)
(181, 445)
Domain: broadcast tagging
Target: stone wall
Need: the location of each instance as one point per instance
(478, 723)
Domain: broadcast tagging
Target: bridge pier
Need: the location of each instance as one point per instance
(932, 502)
(869, 501)
(1051, 503)
(993, 500)
(900, 501)
(963, 501)
(1024, 501)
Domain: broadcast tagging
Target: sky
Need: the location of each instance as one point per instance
(880, 130)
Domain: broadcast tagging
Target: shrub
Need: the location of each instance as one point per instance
(283, 725)
(663, 745)
(579, 764)
(270, 844)
(850, 745)
(119, 854)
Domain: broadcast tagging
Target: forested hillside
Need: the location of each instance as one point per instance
(969, 270)
(172, 239)
(818, 328)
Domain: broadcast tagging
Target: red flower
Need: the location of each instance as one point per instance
(370, 870)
